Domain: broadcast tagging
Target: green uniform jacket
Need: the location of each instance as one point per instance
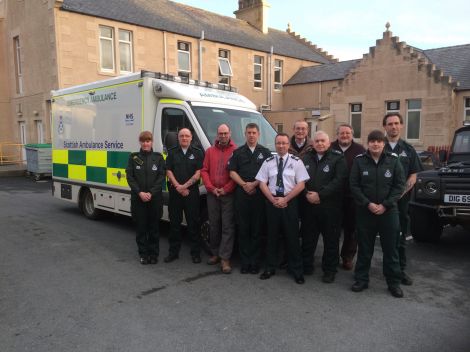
(408, 157)
(145, 172)
(327, 176)
(379, 183)
(247, 164)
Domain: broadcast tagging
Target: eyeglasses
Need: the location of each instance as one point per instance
(282, 143)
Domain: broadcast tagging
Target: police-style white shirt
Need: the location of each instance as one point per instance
(294, 172)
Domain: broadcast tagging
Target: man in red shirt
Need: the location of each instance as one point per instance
(220, 187)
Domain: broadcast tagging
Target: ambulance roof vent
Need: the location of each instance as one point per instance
(186, 80)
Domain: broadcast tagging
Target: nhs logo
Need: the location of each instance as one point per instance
(129, 119)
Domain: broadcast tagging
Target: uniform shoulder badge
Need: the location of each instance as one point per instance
(326, 168)
(360, 155)
(334, 151)
(394, 155)
(191, 157)
(403, 153)
(295, 157)
(270, 158)
(388, 174)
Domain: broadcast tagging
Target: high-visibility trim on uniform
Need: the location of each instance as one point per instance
(98, 166)
(171, 101)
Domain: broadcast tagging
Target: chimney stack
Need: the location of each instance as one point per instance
(255, 12)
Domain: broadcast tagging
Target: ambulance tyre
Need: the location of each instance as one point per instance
(87, 205)
(205, 230)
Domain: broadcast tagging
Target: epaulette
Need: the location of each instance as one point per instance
(295, 157)
(270, 158)
(336, 151)
(360, 155)
(137, 160)
(395, 155)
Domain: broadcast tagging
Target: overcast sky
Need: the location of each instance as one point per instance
(347, 29)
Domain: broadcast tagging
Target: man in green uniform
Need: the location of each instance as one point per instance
(377, 181)
(184, 164)
(249, 201)
(393, 124)
(323, 193)
(145, 173)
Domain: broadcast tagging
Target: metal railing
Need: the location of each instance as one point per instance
(11, 153)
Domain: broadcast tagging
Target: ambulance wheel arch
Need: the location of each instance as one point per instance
(86, 204)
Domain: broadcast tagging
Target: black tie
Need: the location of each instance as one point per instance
(279, 181)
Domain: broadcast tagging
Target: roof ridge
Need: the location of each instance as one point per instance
(447, 47)
(312, 46)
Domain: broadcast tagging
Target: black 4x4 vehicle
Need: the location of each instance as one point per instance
(442, 196)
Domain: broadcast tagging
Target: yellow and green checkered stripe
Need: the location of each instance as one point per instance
(100, 166)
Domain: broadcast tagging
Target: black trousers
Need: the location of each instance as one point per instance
(349, 247)
(190, 206)
(388, 227)
(327, 222)
(146, 216)
(249, 210)
(285, 220)
(403, 207)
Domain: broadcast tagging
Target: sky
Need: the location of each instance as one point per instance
(346, 29)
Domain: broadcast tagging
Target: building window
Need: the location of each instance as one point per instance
(413, 119)
(393, 106)
(125, 50)
(225, 70)
(466, 115)
(184, 59)
(356, 119)
(107, 48)
(18, 69)
(279, 127)
(40, 131)
(258, 72)
(278, 74)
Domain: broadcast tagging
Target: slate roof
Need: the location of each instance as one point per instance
(186, 20)
(453, 61)
(321, 73)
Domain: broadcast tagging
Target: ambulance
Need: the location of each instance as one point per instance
(96, 126)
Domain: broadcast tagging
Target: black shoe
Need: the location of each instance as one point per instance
(254, 270)
(170, 258)
(405, 279)
(308, 271)
(359, 286)
(267, 275)
(299, 280)
(144, 260)
(153, 259)
(328, 277)
(244, 269)
(396, 291)
(196, 259)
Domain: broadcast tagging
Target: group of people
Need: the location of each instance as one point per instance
(325, 187)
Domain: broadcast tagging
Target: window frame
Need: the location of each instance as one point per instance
(18, 65)
(388, 109)
(278, 67)
(184, 72)
(224, 56)
(408, 110)
(261, 66)
(353, 113)
(113, 54)
(279, 127)
(130, 45)
(466, 108)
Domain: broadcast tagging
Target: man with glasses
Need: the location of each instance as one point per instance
(220, 187)
(282, 177)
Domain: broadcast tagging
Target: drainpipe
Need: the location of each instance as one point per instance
(165, 59)
(200, 56)
(270, 76)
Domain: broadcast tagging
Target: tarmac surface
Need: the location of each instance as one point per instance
(71, 284)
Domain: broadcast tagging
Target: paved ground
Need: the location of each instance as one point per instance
(70, 284)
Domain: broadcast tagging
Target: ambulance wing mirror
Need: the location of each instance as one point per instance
(171, 140)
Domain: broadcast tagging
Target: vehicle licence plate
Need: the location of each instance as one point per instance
(457, 198)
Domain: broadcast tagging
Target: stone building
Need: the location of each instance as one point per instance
(51, 44)
(430, 88)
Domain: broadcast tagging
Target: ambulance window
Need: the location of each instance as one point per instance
(172, 121)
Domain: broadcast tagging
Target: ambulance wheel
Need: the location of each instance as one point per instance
(87, 205)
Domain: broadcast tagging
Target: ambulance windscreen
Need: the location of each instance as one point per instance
(210, 118)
